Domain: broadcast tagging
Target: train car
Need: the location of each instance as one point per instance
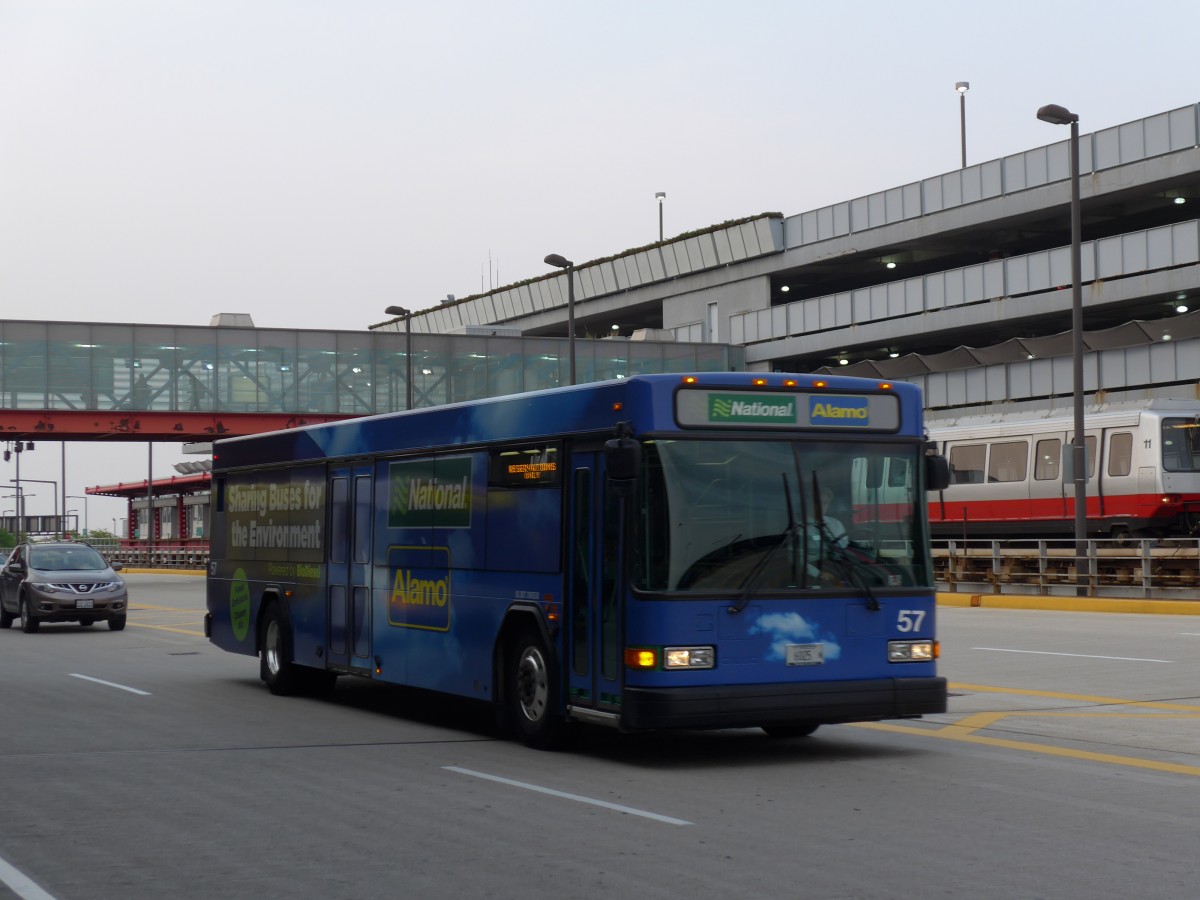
(1010, 473)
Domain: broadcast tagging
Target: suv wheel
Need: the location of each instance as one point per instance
(6, 618)
(29, 624)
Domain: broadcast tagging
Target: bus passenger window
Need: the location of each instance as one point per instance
(1048, 455)
(966, 463)
(1120, 453)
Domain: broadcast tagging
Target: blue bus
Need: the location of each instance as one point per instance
(719, 550)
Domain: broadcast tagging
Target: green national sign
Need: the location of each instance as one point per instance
(430, 493)
(772, 409)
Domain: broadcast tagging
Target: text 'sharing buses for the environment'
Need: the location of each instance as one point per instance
(704, 551)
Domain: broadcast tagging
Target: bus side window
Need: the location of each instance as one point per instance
(1120, 454)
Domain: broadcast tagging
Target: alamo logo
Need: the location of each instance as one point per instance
(430, 493)
(752, 408)
(840, 411)
(420, 596)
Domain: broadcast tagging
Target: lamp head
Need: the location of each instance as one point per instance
(1057, 115)
(555, 259)
(962, 86)
(396, 311)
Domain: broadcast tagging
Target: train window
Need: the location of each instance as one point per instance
(1049, 454)
(1120, 453)
(1181, 445)
(966, 463)
(1009, 461)
(898, 472)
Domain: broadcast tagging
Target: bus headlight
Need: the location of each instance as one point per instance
(688, 657)
(912, 651)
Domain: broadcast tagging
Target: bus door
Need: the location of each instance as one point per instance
(594, 610)
(348, 573)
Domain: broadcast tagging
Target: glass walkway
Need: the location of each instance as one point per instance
(80, 366)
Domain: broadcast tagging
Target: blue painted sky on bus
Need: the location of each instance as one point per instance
(310, 163)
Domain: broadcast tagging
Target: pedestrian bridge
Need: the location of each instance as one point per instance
(81, 380)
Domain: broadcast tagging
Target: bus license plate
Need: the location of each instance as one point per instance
(83, 604)
(805, 654)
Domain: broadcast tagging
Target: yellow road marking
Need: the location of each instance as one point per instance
(166, 628)
(953, 733)
(966, 728)
(1083, 698)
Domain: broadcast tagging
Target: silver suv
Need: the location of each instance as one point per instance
(61, 581)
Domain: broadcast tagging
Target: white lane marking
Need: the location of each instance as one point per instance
(20, 884)
(1080, 655)
(576, 797)
(111, 684)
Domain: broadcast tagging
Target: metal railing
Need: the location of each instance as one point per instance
(1149, 568)
(159, 556)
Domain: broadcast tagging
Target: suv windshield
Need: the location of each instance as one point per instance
(66, 559)
(758, 516)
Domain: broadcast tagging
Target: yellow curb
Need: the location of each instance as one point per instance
(131, 571)
(1072, 604)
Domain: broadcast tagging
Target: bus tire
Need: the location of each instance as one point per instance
(281, 676)
(791, 731)
(532, 693)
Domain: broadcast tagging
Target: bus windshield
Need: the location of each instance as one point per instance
(759, 515)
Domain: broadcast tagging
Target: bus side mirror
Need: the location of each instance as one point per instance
(937, 473)
(622, 462)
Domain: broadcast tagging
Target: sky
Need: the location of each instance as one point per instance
(311, 162)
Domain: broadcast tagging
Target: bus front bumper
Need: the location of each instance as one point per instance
(756, 705)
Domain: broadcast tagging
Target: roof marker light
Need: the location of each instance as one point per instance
(759, 382)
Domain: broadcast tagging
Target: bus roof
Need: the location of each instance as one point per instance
(646, 401)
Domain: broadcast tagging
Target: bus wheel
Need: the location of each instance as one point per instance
(276, 669)
(791, 731)
(533, 694)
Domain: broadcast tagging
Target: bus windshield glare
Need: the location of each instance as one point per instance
(767, 516)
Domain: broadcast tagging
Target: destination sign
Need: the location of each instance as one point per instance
(820, 411)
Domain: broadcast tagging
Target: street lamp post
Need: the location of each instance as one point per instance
(660, 196)
(562, 262)
(408, 383)
(54, 494)
(1058, 115)
(84, 498)
(962, 87)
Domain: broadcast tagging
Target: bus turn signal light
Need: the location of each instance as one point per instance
(641, 658)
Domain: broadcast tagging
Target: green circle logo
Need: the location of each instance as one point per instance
(239, 605)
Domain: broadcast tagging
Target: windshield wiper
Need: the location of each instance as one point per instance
(765, 559)
(837, 555)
